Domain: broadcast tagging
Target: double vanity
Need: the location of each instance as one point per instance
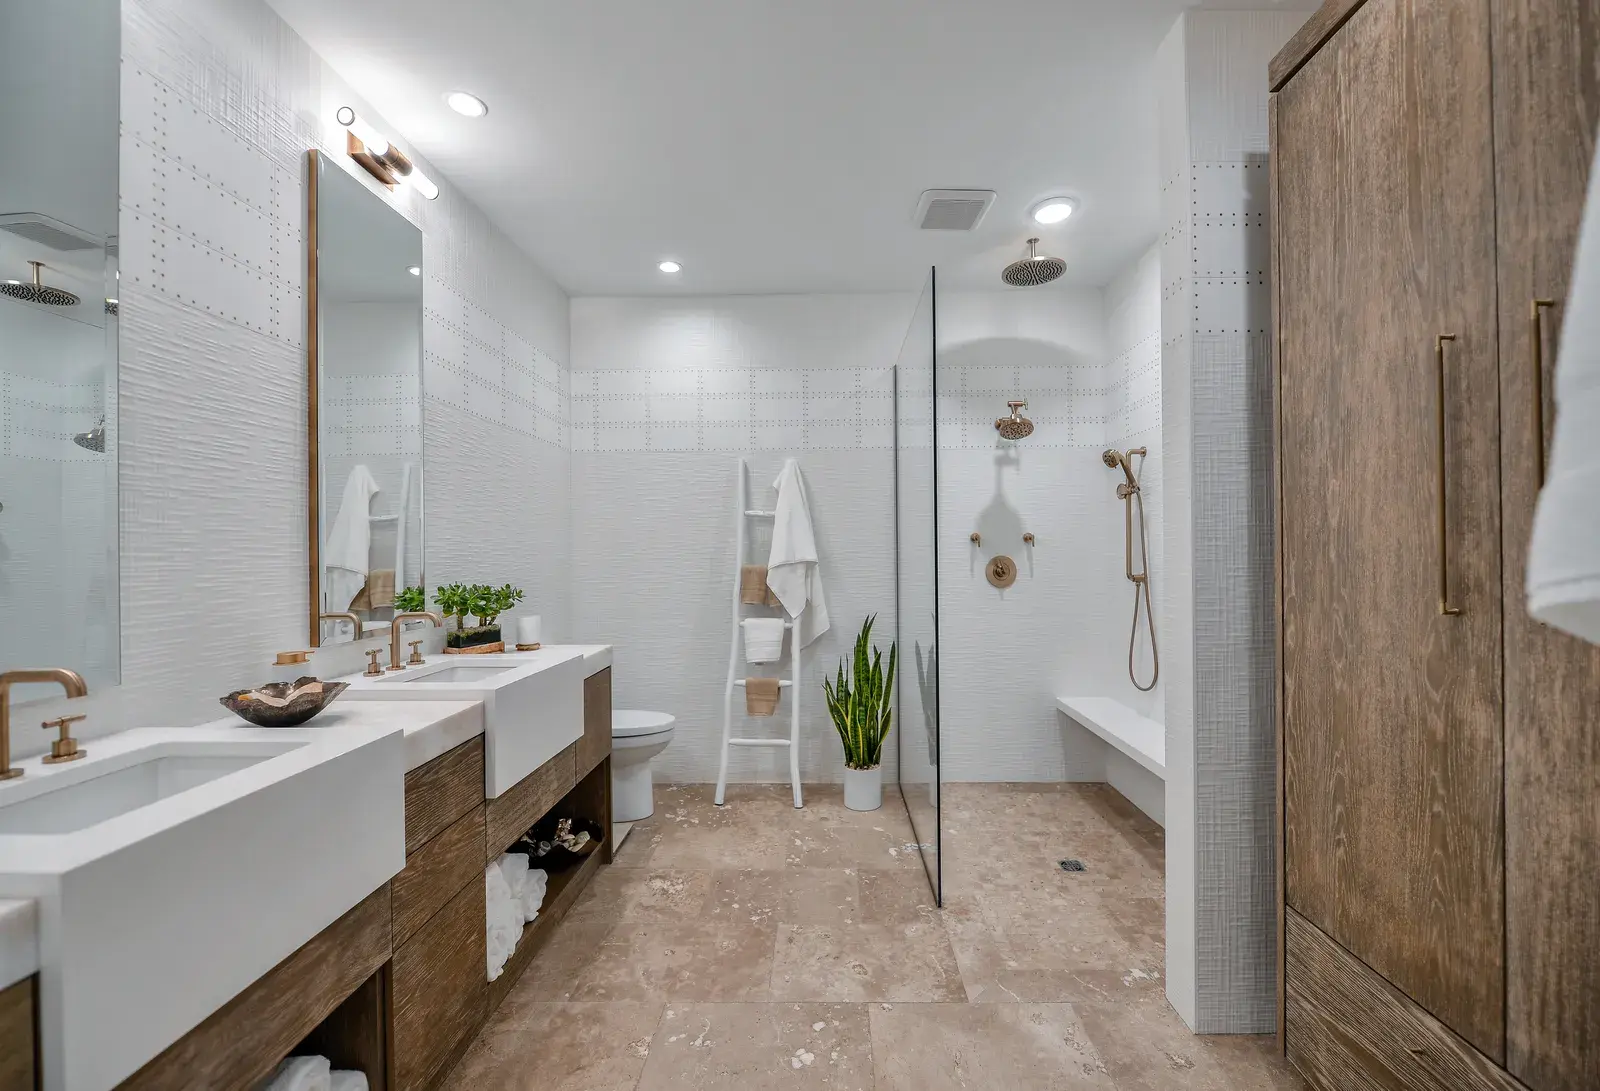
(184, 907)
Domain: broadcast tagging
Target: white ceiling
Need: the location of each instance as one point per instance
(772, 145)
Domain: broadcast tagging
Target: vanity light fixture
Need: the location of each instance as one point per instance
(1053, 210)
(670, 267)
(385, 162)
(466, 105)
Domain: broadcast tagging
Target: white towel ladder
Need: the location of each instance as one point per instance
(742, 513)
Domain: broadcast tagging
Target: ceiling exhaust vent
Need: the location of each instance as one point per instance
(953, 209)
(45, 231)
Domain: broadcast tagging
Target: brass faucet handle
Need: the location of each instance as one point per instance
(416, 653)
(66, 747)
(373, 670)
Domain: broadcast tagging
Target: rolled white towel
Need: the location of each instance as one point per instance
(503, 920)
(763, 639)
(533, 891)
(514, 866)
(300, 1074)
(346, 1079)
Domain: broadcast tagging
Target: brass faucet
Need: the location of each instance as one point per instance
(394, 634)
(349, 616)
(71, 681)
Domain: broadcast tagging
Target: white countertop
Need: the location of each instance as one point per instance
(19, 940)
(431, 727)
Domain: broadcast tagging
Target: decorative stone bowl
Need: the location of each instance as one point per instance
(283, 704)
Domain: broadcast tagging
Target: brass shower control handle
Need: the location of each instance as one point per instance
(1002, 572)
(1028, 538)
(977, 539)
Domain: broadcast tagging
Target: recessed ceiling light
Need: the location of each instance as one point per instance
(465, 104)
(414, 270)
(670, 267)
(1052, 210)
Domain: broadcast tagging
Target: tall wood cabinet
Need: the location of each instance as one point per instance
(1441, 751)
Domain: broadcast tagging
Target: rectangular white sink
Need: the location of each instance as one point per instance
(173, 867)
(532, 703)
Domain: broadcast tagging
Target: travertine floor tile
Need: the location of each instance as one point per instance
(786, 896)
(677, 961)
(643, 894)
(559, 1047)
(1146, 1047)
(760, 1047)
(853, 963)
(1006, 1047)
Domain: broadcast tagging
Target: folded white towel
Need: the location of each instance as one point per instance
(346, 554)
(346, 1079)
(1564, 555)
(300, 1074)
(763, 639)
(794, 570)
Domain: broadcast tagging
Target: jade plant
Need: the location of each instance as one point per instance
(478, 600)
(411, 600)
(862, 704)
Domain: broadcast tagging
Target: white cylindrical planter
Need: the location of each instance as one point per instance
(863, 788)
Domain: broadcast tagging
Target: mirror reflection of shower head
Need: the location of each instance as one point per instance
(38, 291)
(94, 439)
(1016, 426)
(1033, 270)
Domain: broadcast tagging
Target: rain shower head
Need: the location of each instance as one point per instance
(38, 291)
(1016, 426)
(94, 439)
(1033, 270)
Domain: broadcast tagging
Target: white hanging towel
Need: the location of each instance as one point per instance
(763, 639)
(345, 555)
(1564, 555)
(794, 572)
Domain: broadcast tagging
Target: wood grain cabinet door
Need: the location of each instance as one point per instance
(1547, 107)
(1393, 801)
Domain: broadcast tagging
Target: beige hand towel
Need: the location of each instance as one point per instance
(753, 589)
(378, 593)
(761, 696)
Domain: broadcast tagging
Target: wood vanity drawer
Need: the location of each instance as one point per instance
(439, 990)
(1347, 1029)
(435, 872)
(595, 746)
(509, 815)
(18, 1050)
(440, 792)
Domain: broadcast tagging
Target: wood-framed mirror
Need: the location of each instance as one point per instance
(364, 405)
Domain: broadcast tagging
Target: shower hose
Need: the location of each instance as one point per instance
(1141, 587)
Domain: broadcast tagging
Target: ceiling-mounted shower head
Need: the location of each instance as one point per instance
(1033, 270)
(1016, 426)
(38, 291)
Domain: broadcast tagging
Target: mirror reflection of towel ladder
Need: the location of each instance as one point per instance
(743, 514)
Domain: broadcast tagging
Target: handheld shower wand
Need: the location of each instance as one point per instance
(1130, 493)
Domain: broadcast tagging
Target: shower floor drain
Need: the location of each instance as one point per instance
(1073, 865)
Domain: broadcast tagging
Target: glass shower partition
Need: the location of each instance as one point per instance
(917, 580)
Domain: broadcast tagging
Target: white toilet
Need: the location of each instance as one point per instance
(636, 737)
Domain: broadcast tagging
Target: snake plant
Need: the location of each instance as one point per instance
(862, 706)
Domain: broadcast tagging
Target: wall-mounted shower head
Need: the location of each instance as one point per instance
(1033, 270)
(38, 291)
(1116, 459)
(1016, 426)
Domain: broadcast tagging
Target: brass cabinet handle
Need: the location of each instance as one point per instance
(1536, 331)
(1438, 418)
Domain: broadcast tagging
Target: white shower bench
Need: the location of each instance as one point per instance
(1136, 753)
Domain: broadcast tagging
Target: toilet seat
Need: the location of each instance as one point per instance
(627, 723)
